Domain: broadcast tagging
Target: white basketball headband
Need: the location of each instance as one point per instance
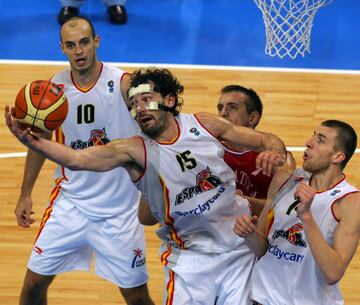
(140, 89)
(153, 105)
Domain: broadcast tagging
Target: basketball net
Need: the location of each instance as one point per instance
(288, 25)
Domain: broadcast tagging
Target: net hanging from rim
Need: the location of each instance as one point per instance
(288, 25)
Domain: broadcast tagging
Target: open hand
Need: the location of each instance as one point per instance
(23, 135)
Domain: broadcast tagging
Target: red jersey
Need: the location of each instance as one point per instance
(248, 179)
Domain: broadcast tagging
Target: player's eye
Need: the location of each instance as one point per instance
(85, 42)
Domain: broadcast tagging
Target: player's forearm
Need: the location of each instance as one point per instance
(33, 164)
(56, 152)
(273, 143)
(257, 243)
(256, 204)
(328, 260)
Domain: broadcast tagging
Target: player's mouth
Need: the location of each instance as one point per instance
(145, 119)
(81, 61)
(306, 155)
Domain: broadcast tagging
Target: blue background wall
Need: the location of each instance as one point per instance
(208, 32)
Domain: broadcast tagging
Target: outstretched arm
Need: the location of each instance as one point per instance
(127, 153)
(273, 149)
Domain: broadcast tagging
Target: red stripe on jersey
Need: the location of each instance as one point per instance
(165, 256)
(53, 195)
(168, 219)
(89, 88)
(170, 288)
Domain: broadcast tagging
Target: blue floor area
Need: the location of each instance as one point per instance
(204, 32)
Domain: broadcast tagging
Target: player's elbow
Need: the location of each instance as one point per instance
(334, 278)
(76, 163)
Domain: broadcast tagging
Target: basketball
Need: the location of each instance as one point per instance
(41, 105)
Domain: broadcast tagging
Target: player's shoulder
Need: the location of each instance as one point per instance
(206, 116)
(112, 69)
(351, 200)
(347, 209)
(63, 76)
(211, 121)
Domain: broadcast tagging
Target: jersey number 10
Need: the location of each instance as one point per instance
(85, 114)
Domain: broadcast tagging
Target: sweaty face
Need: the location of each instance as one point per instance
(79, 45)
(232, 107)
(320, 150)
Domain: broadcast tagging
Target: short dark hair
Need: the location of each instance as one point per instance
(346, 139)
(93, 34)
(253, 102)
(164, 81)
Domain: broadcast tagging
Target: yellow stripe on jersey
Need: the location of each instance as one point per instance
(170, 288)
(168, 219)
(269, 221)
(53, 195)
(59, 136)
(165, 256)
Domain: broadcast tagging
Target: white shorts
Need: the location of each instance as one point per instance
(203, 279)
(68, 241)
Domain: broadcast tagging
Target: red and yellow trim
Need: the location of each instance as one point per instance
(170, 288)
(84, 90)
(53, 195)
(174, 139)
(269, 221)
(60, 138)
(168, 219)
(165, 255)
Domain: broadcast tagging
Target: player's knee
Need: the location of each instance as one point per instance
(36, 284)
(136, 296)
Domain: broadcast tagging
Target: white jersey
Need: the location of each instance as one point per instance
(96, 116)
(191, 190)
(288, 274)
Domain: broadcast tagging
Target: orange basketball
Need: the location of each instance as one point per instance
(41, 105)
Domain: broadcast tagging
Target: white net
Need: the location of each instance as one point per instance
(288, 25)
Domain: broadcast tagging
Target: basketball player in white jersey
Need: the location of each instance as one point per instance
(88, 213)
(178, 165)
(308, 233)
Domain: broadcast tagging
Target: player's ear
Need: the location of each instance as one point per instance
(97, 41)
(339, 157)
(62, 47)
(170, 100)
(254, 119)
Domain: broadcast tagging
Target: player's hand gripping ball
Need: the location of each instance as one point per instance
(41, 105)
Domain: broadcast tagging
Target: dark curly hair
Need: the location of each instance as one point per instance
(164, 82)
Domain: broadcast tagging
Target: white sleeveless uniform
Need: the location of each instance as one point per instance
(105, 204)
(288, 274)
(191, 192)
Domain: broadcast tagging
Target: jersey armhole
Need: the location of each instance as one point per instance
(337, 199)
(196, 118)
(145, 160)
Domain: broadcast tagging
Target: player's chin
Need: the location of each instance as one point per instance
(307, 167)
